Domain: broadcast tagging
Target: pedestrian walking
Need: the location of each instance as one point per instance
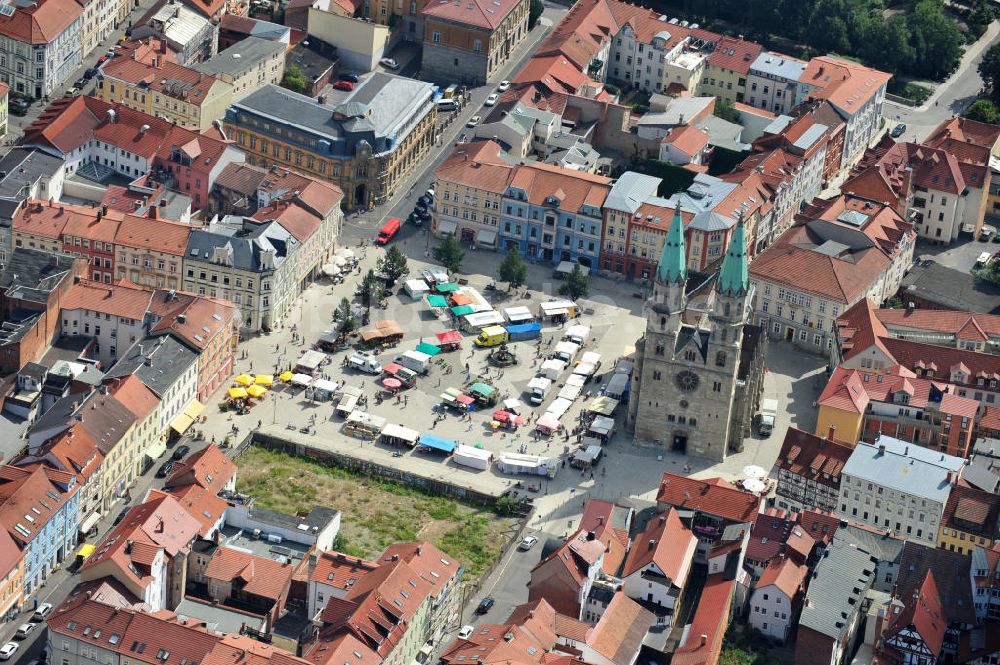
(406, 400)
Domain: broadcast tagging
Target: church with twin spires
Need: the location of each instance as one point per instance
(699, 368)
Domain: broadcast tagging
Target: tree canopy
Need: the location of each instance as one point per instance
(449, 253)
(576, 284)
(393, 265)
(513, 270)
(295, 79)
(983, 110)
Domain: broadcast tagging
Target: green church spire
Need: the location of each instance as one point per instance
(672, 267)
(734, 278)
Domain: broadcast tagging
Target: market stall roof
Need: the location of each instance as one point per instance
(437, 301)
(324, 385)
(329, 336)
(481, 388)
(515, 314)
(370, 334)
(463, 310)
(301, 379)
(513, 404)
(447, 287)
(237, 393)
(548, 421)
(394, 431)
(311, 360)
(461, 299)
(256, 391)
(602, 425)
(428, 349)
(417, 285)
(391, 368)
(559, 407)
(244, 379)
(389, 327)
(286, 376)
(603, 405)
(501, 416)
(449, 336)
(451, 394)
(367, 420)
(264, 379)
(391, 383)
(437, 443)
(465, 399)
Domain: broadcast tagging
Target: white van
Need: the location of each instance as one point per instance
(447, 105)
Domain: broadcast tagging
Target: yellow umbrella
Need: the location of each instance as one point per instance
(256, 391)
(237, 393)
(286, 376)
(263, 379)
(244, 379)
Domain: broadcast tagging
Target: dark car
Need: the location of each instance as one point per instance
(81, 82)
(348, 76)
(147, 464)
(898, 130)
(424, 201)
(484, 605)
(120, 517)
(165, 469)
(180, 453)
(424, 214)
(18, 106)
(90, 73)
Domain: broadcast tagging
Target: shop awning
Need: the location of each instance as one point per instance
(447, 226)
(481, 388)
(437, 301)
(446, 287)
(437, 443)
(429, 349)
(156, 448)
(449, 337)
(182, 423)
(194, 409)
(486, 237)
(89, 523)
(603, 405)
(461, 299)
(237, 393)
(463, 310)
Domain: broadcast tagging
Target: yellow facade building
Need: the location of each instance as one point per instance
(970, 520)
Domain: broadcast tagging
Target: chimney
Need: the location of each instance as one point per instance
(154, 212)
(104, 209)
(181, 319)
(652, 543)
(704, 639)
(128, 546)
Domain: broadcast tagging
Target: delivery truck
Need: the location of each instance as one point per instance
(768, 411)
(414, 360)
(566, 351)
(577, 334)
(492, 336)
(496, 335)
(364, 362)
(524, 332)
(538, 388)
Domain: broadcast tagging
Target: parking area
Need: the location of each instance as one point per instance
(960, 255)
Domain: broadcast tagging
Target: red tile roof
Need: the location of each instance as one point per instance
(166, 78)
(846, 84)
(971, 509)
(73, 450)
(478, 165)
(921, 613)
(260, 576)
(581, 34)
(667, 544)
(294, 218)
(735, 55)
(620, 631)
(711, 619)
(32, 490)
(234, 649)
(194, 320)
(688, 139)
(155, 234)
(965, 325)
(819, 525)
(572, 189)
(202, 504)
(785, 574)
(599, 517)
(967, 131)
(209, 468)
(135, 396)
(339, 570)
(687, 493)
(11, 555)
(479, 13)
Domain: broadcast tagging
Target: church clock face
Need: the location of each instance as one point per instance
(686, 381)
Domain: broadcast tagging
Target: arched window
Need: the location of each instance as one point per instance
(663, 321)
(720, 357)
(725, 309)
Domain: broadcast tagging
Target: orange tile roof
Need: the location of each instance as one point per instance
(579, 36)
(966, 325)
(846, 84)
(964, 130)
(159, 235)
(261, 576)
(73, 450)
(209, 468)
(573, 189)
(41, 23)
(38, 219)
(234, 649)
(667, 544)
(923, 614)
(135, 396)
(688, 139)
(711, 619)
(785, 574)
(477, 165)
(480, 13)
(10, 554)
(555, 72)
(620, 631)
(122, 299)
(202, 504)
(32, 490)
(845, 392)
(339, 570)
(194, 320)
(735, 55)
(691, 494)
(294, 218)
(969, 508)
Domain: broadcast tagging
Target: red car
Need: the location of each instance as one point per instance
(343, 85)
(102, 60)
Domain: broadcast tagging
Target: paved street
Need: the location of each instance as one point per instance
(950, 98)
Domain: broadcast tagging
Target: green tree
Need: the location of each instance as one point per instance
(979, 18)
(989, 70)
(513, 270)
(393, 265)
(983, 110)
(933, 32)
(725, 110)
(345, 315)
(736, 656)
(535, 10)
(576, 285)
(449, 253)
(369, 289)
(295, 79)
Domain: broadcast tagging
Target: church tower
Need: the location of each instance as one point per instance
(685, 376)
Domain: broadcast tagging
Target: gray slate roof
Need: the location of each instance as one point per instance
(31, 274)
(904, 467)
(168, 360)
(836, 588)
(631, 190)
(244, 243)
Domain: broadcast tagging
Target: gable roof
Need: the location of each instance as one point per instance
(668, 544)
(209, 468)
(921, 612)
(784, 574)
(814, 458)
(688, 493)
(260, 576)
(620, 631)
(711, 619)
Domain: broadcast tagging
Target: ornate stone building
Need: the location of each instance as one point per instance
(699, 368)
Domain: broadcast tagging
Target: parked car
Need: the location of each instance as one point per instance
(165, 469)
(348, 76)
(424, 202)
(180, 453)
(504, 86)
(19, 106)
(147, 464)
(24, 630)
(8, 650)
(102, 59)
(424, 214)
(527, 543)
(986, 234)
(343, 85)
(120, 517)
(473, 121)
(492, 99)
(42, 611)
(898, 130)
(485, 604)
(415, 219)
(80, 83)
(466, 631)
(90, 73)
(389, 63)
(72, 92)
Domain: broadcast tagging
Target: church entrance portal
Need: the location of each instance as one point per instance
(680, 444)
